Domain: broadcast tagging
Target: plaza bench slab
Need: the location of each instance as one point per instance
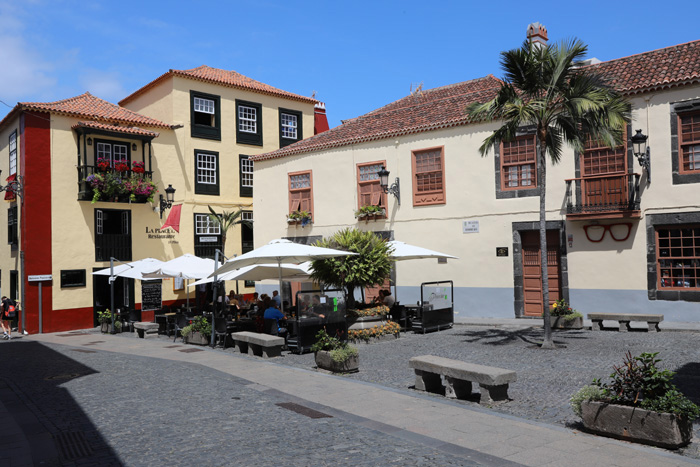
(624, 320)
(459, 376)
(261, 345)
(143, 327)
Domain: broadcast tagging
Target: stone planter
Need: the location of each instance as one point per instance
(196, 338)
(104, 327)
(558, 322)
(325, 362)
(636, 425)
(365, 322)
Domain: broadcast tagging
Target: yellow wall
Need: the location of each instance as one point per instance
(9, 259)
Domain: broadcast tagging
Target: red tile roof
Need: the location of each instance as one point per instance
(227, 78)
(445, 106)
(115, 128)
(89, 106)
(433, 109)
(651, 71)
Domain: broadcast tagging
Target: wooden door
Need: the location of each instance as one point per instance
(532, 276)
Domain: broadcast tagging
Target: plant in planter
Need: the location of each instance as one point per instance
(105, 319)
(334, 355)
(138, 186)
(565, 317)
(103, 164)
(117, 326)
(299, 217)
(121, 165)
(388, 328)
(198, 332)
(640, 404)
(138, 167)
(370, 212)
(106, 186)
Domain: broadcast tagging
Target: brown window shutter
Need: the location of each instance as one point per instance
(294, 201)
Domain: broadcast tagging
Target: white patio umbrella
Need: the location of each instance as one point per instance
(280, 251)
(259, 272)
(131, 270)
(186, 266)
(403, 251)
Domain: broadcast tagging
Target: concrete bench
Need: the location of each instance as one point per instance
(459, 376)
(261, 345)
(624, 320)
(143, 327)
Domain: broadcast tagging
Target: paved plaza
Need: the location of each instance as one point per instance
(91, 399)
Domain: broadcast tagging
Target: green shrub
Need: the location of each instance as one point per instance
(572, 316)
(586, 393)
(340, 351)
(200, 324)
(673, 402)
(343, 354)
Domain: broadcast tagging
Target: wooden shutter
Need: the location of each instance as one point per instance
(294, 201)
(305, 200)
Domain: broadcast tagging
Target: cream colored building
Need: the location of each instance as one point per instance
(618, 240)
(191, 129)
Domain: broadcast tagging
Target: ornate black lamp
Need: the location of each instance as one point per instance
(642, 152)
(384, 183)
(13, 186)
(167, 202)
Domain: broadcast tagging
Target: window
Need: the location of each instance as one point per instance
(689, 126)
(207, 236)
(112, 151)
(428, 176)
(369, 190)
(13, 152)
(12, 231)
(246, 176)
(72, 278)
(248, 123)
(599, 159)
(206, 173)
(206, 115)
(290, 127)
(301, 192)
(247, 232)
(112, 234)
(678, 257)
(518, 167)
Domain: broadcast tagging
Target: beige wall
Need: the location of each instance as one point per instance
(9, 260)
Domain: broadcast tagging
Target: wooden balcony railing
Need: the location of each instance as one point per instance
(85, 192)
(604, 196)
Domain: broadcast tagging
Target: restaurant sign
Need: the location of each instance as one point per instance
(208, 239)
(161, 234)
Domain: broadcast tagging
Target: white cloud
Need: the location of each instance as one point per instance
(24, 72)
(106, 85)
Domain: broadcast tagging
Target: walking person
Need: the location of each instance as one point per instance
(7, 314)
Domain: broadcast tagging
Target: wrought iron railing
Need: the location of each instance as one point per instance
(85, 191)
(603, 194)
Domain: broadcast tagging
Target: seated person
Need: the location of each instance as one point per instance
(388, 300)
(272, 312)
(317, 308)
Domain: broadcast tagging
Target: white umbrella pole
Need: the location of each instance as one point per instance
(187, 293)
(279, 268)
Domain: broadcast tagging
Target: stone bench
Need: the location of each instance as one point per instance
(143, 327)
(624, 320)
(261, 345)
(459, 376)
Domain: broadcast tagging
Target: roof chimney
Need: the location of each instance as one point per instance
(320, 119)
(537, 34)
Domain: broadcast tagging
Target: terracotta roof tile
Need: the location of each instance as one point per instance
(87, 105)
(441, 107)
(658, 69)
(115, 128)
(228, 78)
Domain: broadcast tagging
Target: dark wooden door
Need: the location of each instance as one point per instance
(532, 275)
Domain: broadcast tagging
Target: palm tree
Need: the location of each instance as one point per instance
(225, 221)
(549, 88)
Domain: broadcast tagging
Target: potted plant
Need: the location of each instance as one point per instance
(565, 317)
(334, 355)
(299, 217)
(117, 326)
(105, 319)
(640, 404)
(103, 164)
(139, 188)
(198, 332)
(370, 212)
(106, 186)
(138, 167)
(121, 166)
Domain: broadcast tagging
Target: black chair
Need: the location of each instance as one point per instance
(180, 322)
(221, 330)
(134, 317)
(271, 326)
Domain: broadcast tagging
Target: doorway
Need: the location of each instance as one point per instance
(123, 294)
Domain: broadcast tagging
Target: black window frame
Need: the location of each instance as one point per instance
(206, 131)
(300, 133)
(12, 227)
(115, 245)
(73, 278)
(243, 137)
(245, 191)
(207, 188)
(247, 230)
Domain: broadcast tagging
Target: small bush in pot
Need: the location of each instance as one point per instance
(199, 330)
(333, 354)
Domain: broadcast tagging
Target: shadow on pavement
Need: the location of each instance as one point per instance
(497, 336)
(687, 379)
(57, 430)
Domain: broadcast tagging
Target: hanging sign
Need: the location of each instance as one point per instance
(40, 278)
(208, 239)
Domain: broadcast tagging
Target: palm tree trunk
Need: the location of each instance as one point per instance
(542, 181)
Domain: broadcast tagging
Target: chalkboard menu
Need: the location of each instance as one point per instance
(151, 295)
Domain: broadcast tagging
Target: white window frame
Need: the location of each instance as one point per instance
(100, 222)
(13, 152)
(205, 226)
(207, 106)
(247, 119)
(247, 166)
(206, 169)
(290, 125)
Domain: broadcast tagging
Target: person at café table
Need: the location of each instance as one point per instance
(317, 308)
(272, 312)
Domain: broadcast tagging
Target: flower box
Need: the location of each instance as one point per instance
(558, 322)
(325, 362)
(196, 338)
(637, 425)
(369, 216)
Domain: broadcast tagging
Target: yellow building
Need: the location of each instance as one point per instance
(618, 241)
(89, 169)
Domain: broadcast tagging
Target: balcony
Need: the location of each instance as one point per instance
(604, 197)
(133, 185)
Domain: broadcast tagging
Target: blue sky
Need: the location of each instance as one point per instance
(357, 55)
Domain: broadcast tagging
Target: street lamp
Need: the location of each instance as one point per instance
(642, 152)
(384, 183)
(167, 202)
(13, 186)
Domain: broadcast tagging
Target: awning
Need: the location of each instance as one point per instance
(173, 218)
